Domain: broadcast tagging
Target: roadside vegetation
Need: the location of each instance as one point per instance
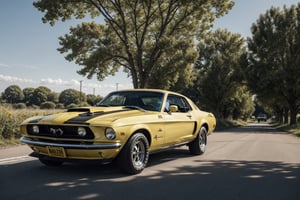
(10, 120)
(227, 124)
(16, 105)
(171, 45)
(295, 129)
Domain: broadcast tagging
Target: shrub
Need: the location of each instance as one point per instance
(60, 106)
(48, 105)
(84, 104)
(10, 120)
(72, 105)
(19, 106)
(35, 107)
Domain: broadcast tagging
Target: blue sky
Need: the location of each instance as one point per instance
(28, 55)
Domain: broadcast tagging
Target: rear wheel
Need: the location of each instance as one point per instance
(198, 146)
(134, 156)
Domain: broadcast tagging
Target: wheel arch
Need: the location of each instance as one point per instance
(145, 132)
(205, 125)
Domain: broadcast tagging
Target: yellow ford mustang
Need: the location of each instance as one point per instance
(125, 126)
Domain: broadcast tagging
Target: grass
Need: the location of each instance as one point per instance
(10, 120)
(9, 142)
(225, 124)
(294, 129)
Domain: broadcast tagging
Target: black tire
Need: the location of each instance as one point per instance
(51, 163)
(198, 146)
(134, 156)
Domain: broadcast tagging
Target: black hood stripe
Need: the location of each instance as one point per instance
(35, 120)
(84, 117)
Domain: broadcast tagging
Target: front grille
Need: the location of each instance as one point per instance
(59, 131)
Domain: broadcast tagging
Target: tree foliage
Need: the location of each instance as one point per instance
(53, 97)
(273, 70)
(40, 95)
(71, 96)
(28, 95)
(13, 94)
(92, 99)
(219, 82)
(151, 40)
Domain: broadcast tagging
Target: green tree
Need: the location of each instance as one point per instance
(53, 97)
(145, 38)
(71, 96)
(273, 70)
(40, 95)
(28, 95)
(219, 76)
(93, 99)
(242, 104)
(13, 94)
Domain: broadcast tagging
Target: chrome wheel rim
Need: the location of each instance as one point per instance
(138, 154)
(202, 141)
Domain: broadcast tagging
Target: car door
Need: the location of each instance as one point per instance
(180, 125)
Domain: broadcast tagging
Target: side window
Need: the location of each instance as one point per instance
(185, 105)
(180, 102)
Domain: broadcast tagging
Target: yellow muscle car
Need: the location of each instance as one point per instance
(126, 126)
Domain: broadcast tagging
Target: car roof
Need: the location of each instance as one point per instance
(149, 90)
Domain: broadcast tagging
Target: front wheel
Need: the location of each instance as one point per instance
(134, 156)
(198, 146)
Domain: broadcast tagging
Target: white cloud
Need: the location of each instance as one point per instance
(59, 82)
(85, 84)
(4, 65)
(14, 79)
(25, 66)
(87, 87)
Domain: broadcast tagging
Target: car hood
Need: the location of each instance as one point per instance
(92, 115)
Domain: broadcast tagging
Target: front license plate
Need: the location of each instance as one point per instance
(56, 152)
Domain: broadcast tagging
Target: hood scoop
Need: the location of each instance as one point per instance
(79, 110)
(88, 115)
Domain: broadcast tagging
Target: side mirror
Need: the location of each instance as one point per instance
(173, 108)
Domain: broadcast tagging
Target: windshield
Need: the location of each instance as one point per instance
(146, 100)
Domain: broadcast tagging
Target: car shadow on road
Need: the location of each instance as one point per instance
(162, 179)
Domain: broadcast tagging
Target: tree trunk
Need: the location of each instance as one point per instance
(135, 80)
(293, 114)
(286, 116)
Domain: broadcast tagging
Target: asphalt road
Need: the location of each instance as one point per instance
(252, 162)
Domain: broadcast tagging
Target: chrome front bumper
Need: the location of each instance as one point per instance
(70, 146)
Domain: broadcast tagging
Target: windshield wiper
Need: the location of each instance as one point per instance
(101, 105)
(135, 108)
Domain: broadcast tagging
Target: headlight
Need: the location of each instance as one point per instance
(81, 131)
(110, 133)
(35, 129)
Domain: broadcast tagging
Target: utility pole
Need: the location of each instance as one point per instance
(94, 96)
(117, 86)
(80, 98)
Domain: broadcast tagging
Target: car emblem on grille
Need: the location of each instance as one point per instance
(56, 131)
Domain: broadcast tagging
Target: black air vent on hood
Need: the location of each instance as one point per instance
(78, 110)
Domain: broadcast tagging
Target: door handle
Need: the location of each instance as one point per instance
(189, 116)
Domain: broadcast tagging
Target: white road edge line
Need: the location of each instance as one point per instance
(13, 159)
